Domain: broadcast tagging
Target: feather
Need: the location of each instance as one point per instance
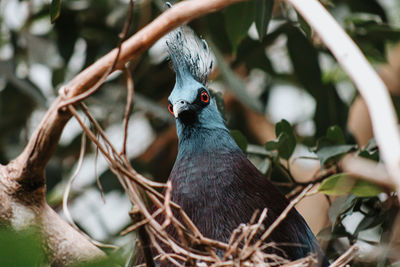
(220, 188)
(189, 54)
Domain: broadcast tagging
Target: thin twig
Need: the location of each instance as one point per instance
(66, 195)
(99, 83)
(303, 262)
(96, 156)
(167, 200)
(256, 228)
(67, 214)
(128, 107)
(162, 253)
(345, 258)
(142, 181)
(136, 226)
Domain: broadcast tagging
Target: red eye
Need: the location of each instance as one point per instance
(171, 109)
(204, 97)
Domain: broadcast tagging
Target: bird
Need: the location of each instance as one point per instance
(212, 180)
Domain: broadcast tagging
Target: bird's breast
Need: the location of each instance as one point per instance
(219, 191)
(206, 186)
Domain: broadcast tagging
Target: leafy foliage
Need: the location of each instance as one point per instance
(285, 142)
(238, 21)
(28, 242)
(332, 146)
(344, 184)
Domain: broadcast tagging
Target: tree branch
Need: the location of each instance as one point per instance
(175, 16)
(345, 258)
(368, 170)
(43, 142)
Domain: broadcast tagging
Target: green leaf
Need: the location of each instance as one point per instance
(369, 222)
(240, 139)
(335, 135)
(304, 25)
(217, 31)
(365, 189)
(238, 18)
(285, 142)
(342, 184)
(304, 57)
(328, 153)
(67, 40)
(28, 242)
(263, 16)
(337, 185)
(55, 10)
(272, 145)
(283, 127)
(371, 33)
(332, 146)
(282, 144)
(305, 61)
(252, 53)
(370, 151)
(363, 19)
(341, 205)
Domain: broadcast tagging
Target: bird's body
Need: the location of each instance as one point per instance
(219, 188)
(212, 179)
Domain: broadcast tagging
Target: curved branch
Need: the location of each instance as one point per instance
(175, 16)
(45, 139)
(367, 170)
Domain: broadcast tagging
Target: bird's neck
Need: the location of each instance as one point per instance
(195, 140)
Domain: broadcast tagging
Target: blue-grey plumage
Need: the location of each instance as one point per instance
(212, 179)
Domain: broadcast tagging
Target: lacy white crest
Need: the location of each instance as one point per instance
(190, 54)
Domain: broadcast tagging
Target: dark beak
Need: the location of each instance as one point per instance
(185, 112)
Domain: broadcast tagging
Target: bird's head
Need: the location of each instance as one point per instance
(190, 101)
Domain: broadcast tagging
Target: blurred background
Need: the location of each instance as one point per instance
(259, 79)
